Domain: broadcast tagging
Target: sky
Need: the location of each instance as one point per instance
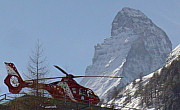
(69, 29)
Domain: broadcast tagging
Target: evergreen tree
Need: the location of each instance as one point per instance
(134, 83)
(140, 86)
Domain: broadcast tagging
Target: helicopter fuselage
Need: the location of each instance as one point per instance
(67, 88)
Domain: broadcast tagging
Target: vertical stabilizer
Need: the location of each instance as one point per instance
(13, 79)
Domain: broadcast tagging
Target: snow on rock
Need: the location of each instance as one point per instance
(173, 55)
(131, 89)
(136, 45)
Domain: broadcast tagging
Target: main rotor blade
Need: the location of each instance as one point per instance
(61, 69)
(99, 76)
(45, 78)
(75, 77)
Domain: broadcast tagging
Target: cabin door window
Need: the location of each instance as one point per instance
(74, 90)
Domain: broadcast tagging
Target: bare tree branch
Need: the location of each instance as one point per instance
(37, 66)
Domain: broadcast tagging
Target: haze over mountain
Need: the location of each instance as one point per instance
(136, 45)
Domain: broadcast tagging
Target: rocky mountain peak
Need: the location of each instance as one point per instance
(129, 19)
(136, 45)
(132, 12)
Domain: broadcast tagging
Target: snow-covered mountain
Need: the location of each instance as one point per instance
(160, 88)
(136, 45)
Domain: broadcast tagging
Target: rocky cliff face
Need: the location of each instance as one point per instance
(136, 45)
(160, 89)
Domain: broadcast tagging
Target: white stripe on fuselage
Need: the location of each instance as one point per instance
(67, 90)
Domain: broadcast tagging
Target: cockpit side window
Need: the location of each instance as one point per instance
(74, 90)
(82, 91)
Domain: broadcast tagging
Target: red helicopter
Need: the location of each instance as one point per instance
(67, 87)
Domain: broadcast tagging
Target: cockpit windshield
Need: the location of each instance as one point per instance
(90, 93)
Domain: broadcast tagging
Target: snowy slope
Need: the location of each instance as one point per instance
(173, 55)
(136, 45)
(131, 89)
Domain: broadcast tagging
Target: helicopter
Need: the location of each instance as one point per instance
(66, 87)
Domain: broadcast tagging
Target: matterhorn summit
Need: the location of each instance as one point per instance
(136, 46)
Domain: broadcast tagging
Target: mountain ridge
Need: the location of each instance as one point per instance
(136, 45)
(160, 89)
